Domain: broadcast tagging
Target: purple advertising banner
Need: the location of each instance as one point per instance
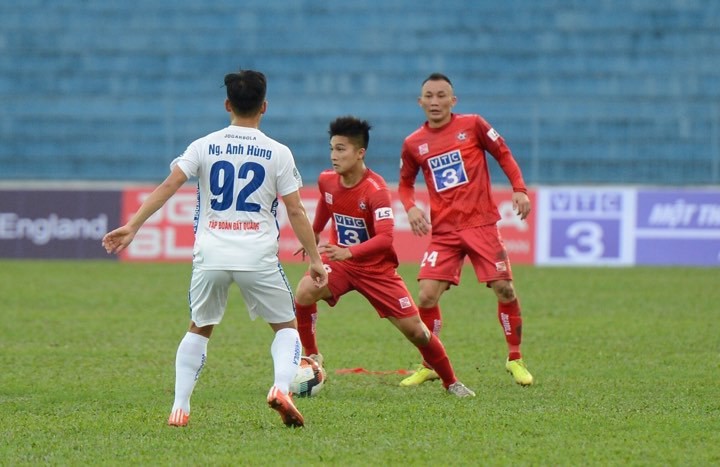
(678, 227)
(56, 224)
(584, 226)
(596, 238)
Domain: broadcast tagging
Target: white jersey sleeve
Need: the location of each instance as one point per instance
(189, 161)
(289, 179)
(240, 172)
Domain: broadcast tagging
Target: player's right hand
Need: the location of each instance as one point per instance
(117, 240)
(300, 250)
(419, 223)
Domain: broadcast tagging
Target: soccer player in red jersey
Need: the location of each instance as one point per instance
(450, 150)
(360, 254)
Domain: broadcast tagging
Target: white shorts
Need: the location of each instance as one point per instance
(266, 293)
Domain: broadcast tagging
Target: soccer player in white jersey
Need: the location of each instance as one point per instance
(240, 173)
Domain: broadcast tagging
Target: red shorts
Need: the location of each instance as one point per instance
(446, 252)
(386, 291)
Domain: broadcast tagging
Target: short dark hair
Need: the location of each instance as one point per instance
(437, 77)
(352, 127)
(246, 91)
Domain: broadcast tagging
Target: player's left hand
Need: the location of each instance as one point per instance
(334, 252)
(521, 204)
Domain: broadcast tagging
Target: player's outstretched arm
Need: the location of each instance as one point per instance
(118, 239)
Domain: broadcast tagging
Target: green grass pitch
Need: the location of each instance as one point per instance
(625, 361)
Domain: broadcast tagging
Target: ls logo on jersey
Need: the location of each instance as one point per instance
(448, 170)
(350, 230)
(423, 149)
(383, 213)
(492, 134)
(462, 136)
(328, 197)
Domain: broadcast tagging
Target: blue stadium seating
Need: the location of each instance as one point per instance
(584, 92)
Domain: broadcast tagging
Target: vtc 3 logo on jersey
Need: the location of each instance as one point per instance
(448, 170)
(350, 230)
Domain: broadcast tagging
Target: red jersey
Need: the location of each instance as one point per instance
(362, 219)
(453, 162)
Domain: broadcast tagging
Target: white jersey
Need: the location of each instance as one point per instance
(240, 173)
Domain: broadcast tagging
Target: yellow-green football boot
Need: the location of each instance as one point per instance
(519, 372)
(421, 375)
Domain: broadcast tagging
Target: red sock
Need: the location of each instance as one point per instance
(434, 353)
(433, 320)
(511, 322)
(306, 318)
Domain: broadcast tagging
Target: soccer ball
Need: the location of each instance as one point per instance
(310, 378)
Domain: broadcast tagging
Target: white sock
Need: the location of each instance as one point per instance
(189, 361)
(285, 350)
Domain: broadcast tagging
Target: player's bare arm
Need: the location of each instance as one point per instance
(303, 231)
(120, 238)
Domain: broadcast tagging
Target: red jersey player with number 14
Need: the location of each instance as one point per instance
(360, 254)
(450, 150)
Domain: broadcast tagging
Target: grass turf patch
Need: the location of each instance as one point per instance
(625, 361)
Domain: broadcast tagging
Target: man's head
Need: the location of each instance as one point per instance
(246, 92)
(349, 139)
(437, 99)
(356, 130)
